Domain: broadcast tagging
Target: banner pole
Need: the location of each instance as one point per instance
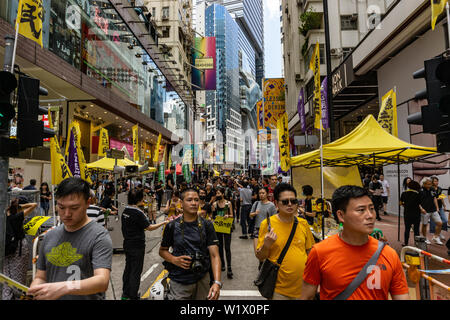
(321, 180)
(15, 43)
(447, 6)
(53, 205)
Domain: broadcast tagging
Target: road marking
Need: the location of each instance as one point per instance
(240, 293)
(161, 275)
(149, 271)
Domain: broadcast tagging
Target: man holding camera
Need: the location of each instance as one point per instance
(195, 251)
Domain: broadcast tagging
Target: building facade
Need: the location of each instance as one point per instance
(100, 65)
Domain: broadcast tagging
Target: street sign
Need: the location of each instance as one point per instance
(115, 154)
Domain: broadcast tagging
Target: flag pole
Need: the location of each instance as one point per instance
(15, 41)
(53, 205)
(321, 180)
(447, 6)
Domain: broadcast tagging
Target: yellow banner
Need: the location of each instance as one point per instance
(283, 142)
(30, 14)
(156, 155)
(60, 170)
(317, 99)
(437, 7)
(34, 224)
(103, 143)
(135, 143)
(274, 105)
(223, 225)
(388, 113)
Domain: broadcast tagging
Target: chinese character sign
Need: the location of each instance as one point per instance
(274, 104)
(135, 129)
(388, 113)
(283, 141)
(317, 99)
(29, 19)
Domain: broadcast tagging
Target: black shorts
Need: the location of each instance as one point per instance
(385, 199)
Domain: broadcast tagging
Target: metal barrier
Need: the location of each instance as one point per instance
(412, 258)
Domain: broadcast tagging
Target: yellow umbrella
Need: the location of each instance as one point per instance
(108, 163)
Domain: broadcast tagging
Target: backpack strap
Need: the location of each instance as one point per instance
(344, 295)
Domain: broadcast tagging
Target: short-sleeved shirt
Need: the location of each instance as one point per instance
(333, 264)
(134, 223)
(66, 256)
(437, 192)
(427, 200)
(411, 202)
(385, 185)
(189, 245)
(289, 281)
(264, 210)
(245, 195)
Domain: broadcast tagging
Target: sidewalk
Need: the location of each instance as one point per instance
(389, 226)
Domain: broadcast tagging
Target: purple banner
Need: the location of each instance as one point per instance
(72, 160)
(324, 94)
(301, 110)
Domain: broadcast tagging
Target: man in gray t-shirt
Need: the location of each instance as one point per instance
(74, 258)
(260, 211)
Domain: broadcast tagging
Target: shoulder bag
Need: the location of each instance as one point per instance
(268, 273)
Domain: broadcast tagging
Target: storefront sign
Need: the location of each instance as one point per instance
(204, 63)
(343, 76)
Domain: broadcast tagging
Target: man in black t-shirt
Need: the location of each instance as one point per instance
(410, 200)
(195, 250)
(134, 224)
(430, 209)
(375, 191)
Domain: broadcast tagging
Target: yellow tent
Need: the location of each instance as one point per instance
(108, 163)
(367, 144)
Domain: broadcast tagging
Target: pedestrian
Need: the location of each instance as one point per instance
(45, 196)
(173, 206)
(272, 241)
(75, 258)
(17, 251)
(335, 262)
(375, 191)
(430, 210)
(159, 189)
(261, 209)
(170, 182)
(385, 194)
(273, 181)
(31, 186)
(308, 204)
(406, 181)
(410, 200)
(95, 212)
(195, 250)
(108, 202)
(247, 223)
(134, 224)
(440, 196)
(204, 208)
(223, 208)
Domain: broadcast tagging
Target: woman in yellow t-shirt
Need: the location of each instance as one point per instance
(173, 207)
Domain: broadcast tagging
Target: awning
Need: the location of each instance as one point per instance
(108, 163)
(367, 144)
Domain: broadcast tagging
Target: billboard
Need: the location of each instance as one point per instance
(204, 57)
(274, 104)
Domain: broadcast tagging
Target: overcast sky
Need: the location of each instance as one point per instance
(272, 42)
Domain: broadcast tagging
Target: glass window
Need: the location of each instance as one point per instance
(349, 22)
(165, 13)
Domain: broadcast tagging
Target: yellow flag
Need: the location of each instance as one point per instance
(103, 144)
(156, 154)
(388, 113)
(283, 142)
(30, 14)
(314, 65)
(60, 170)
(32, 226)
(135, 143)
(437, 7)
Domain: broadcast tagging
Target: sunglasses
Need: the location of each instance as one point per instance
(287, 201)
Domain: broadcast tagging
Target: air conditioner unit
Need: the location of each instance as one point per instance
(298, 77)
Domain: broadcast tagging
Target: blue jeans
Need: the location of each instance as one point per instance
(444, 222)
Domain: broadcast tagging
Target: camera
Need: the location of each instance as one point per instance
(198, 262)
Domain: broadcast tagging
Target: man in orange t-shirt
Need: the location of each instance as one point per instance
(333, 263)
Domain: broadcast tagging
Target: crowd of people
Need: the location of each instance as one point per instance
(195, 254)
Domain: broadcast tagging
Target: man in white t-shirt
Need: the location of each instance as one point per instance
(385, 194)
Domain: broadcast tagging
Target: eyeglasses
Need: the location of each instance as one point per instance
(287, 201)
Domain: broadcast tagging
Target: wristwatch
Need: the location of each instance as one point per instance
(219, 283)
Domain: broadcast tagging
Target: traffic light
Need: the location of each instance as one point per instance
(8, 84)
(30, 130)
(435, 116)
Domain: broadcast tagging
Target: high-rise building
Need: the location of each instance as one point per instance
(223, 105)
(249, 14)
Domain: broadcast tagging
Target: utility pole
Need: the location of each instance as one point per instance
(330, 80)
(4, 160)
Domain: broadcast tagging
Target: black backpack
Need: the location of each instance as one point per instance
(14, 235)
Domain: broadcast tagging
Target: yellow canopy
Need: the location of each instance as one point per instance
(366, 143)
(108, 163)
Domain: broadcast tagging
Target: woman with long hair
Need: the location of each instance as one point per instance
(46, 196)
(224, 208)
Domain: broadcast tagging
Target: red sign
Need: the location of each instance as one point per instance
(46, 124)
